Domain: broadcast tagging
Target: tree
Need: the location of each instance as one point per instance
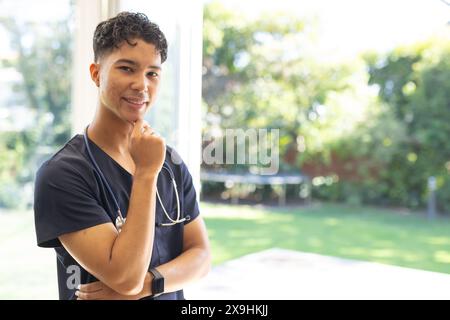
(372, 129)
(45, 65)
(261, 73)
(414, 82)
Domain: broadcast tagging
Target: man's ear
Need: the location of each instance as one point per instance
(94, 69)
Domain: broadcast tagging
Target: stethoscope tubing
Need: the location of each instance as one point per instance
(120, 220)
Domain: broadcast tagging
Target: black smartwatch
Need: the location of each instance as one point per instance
(157, 282)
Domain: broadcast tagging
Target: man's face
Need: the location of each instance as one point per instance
(128, 79)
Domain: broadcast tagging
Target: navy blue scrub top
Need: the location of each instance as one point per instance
(69, 196)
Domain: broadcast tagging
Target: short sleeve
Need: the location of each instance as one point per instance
(64, 202)
(190, 202)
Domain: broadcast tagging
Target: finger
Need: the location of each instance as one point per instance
(145, 129)
(148, 131)
(138, 124)
(91, 287)
(137, 129)
(85, 295)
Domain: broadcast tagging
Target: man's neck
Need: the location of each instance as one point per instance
(110, 132)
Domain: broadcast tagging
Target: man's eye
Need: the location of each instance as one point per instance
(127, 69)
(152, 74)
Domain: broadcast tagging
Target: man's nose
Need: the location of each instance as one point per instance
(140, 83)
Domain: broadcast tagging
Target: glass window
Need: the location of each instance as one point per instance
(35, 87)
(36, 40)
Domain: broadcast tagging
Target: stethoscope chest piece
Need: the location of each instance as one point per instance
(120, 222)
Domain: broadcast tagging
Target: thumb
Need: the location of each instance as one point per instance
(137, 126)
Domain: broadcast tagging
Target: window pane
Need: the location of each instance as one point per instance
(35, 90)
(35, 84)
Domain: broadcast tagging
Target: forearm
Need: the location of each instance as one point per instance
(132, 249)
(192, 265)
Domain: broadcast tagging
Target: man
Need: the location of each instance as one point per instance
(153, 251)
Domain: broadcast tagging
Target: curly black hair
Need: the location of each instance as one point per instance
(126, 26)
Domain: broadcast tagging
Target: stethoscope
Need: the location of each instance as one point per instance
(120, 220)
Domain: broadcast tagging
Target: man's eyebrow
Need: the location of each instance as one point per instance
(134, 63)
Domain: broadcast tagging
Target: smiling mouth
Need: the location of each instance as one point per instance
(136, 102)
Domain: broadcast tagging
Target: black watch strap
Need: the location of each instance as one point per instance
(157, 283)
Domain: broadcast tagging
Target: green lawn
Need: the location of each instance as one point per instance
(410, 240)
(363, 233)
(26, 271)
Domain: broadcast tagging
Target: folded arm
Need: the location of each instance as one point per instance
(119, 260)
(193, 264)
